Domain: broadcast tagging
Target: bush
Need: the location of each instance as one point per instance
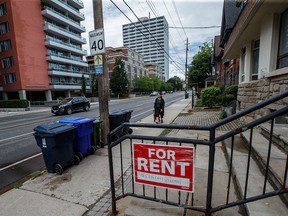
(14, 104)
(226, 99)
(231, 90)
(198, 103)
(223, 114)
(209, 96)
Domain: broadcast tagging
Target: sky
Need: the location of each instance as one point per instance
(192, 13)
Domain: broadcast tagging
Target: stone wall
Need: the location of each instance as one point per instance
(256, 91)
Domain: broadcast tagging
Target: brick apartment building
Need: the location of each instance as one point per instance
(259, 39)
(134, 63)
(226, 69)
(41, 48)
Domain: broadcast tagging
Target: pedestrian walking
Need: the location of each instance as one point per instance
(159, 105)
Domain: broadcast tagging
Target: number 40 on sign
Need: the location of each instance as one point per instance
(97, 42)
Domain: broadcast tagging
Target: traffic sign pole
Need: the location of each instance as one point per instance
(103, 79)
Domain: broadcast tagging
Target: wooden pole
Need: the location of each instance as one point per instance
(103, 79)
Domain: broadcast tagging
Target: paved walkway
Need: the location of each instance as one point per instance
(206, 118)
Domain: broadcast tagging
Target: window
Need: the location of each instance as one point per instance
(255, 59)
(3, 9)
(283, 43)
(4, 28)
(7, 62)
(5, 45)
(242, 70)
(10, 78)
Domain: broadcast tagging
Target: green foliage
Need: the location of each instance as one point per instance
(231, 90)
(94, 85)
(200, 67)
(14, 104)
(223, 114)
(209, 96)
(143, 84)
(146, 84)
(119, 83)
(83, 85)
(225, 99)
(176, 83)
(198, 103)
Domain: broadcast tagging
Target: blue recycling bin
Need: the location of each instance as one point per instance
(83, 131)
(56, 143)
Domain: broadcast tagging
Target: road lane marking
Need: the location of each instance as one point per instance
(21, 161)
(36, 155)
(10, 138)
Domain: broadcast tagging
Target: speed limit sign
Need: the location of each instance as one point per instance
(97, 42)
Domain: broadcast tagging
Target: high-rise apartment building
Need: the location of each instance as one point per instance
(146, 45)
(41, 48)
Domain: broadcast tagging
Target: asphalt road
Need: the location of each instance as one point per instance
(19, 154)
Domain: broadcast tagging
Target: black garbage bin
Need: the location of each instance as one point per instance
(56, 143)
(117, 118)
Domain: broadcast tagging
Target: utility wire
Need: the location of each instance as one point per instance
(194, 27)
(148, 30)
(174, 5)
(146, 35)
(151, 8)
(180, 36)
(170, 38)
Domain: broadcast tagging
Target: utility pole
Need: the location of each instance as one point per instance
(103, 79)
(186, 65)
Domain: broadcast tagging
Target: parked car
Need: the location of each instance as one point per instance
(163, 92)
(154, 93)
(70, 105)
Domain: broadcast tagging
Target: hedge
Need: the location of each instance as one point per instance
(14, 104)
(232, 90)
(209, 96)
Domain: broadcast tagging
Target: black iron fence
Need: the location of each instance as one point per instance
(186, 200)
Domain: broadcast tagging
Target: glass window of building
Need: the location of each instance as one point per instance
(4, 28)
(283, 44)
(7, 62)
(3, 9)
(5, 45)
(255, 59)
(10, 78)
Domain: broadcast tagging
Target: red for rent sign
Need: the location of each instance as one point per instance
(164, 166)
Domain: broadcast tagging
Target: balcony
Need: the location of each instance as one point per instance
(67, 86)
(67, 73)
(76, 3)
(58, 17)
(56, 30)
(66, 60)
(63, 6)
(54, 43)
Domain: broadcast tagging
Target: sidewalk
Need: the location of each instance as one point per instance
(81, 188)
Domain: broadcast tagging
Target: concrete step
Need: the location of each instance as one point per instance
(277, 162)
(269, 206)
(280, 135)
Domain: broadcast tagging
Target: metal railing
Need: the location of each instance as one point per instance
(65, 44)
(68, 71)
(65, 30)
(189, 203)
(79, 2)
(74, 9)
(66, 17)
(65, 57)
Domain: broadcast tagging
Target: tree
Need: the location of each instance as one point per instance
(156, 83)
(200, 67)
(119, 83)
(143, 84)
(176, 83)
(83, 87)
